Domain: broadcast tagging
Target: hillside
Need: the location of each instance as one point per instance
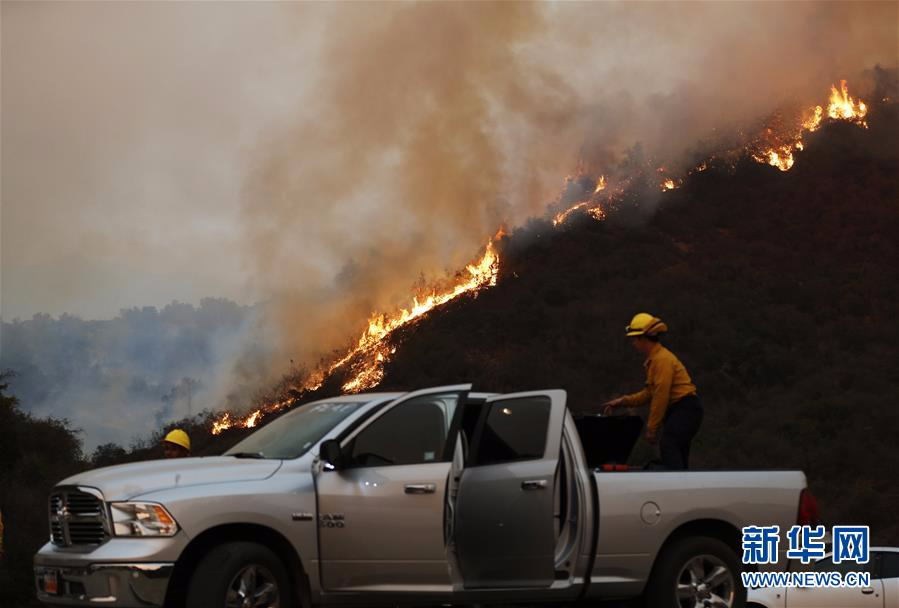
(781, 293)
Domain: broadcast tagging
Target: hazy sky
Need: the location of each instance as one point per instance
(127, 134)
(327, 154)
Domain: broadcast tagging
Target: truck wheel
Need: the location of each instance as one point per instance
(240, 575)
(696, 572)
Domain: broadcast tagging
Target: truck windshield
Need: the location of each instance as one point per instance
(294, 433)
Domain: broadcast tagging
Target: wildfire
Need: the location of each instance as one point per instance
(248, 421)
(366, 359)
(371, 352)
(597, 213)
(841, 107)
(563, 215)
(782, 157)
(222, 424)
(812, 123)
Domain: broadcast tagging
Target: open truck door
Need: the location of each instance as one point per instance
(503, 533)
(380, 524)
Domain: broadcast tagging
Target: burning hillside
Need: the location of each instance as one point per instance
(362, 365)
(774, 144)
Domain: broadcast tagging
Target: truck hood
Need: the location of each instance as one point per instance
(126, 481)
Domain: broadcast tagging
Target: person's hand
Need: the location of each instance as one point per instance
(608, 406)
(650, 436)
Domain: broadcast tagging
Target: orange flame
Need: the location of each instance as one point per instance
(370, 371)
(812, 123)
(371, 351)
(222, 424)
(781, 157)
(590, 206)
(563, 215)
(843, 107)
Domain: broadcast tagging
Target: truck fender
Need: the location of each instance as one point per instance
(202, 543)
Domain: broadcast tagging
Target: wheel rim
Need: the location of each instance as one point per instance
(705, 581)
(253, 586)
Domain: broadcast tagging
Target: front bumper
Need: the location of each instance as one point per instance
(134, 585)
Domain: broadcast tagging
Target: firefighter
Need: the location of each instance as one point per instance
(674, 406)
(176, 444)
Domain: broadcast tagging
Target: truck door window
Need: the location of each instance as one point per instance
(515, 429)
(413, 432)
(889, 565)
(844, 567)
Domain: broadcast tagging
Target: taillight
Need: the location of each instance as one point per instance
(807, 514)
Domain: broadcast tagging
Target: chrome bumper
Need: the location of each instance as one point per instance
(134, 585)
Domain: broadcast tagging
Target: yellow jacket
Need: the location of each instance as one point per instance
(667, 381)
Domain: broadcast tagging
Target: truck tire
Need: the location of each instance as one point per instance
(240, 575)
(696, 572)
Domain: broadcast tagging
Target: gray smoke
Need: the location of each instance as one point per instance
(431, 124)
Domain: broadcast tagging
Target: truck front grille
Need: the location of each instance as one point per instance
(77, 517)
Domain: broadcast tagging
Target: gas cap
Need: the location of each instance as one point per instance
(650, 513)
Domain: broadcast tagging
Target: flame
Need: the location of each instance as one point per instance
(843, 107)
(222, 424)
(812, 123)
(775, 146)
(779, 152)
(563, 215)
(781, 157)
(590, 205)
(248, 421)
(371, 352)
(251, 420)
(597, 213)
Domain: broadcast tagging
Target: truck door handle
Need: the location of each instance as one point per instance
(420, 488)
(533, 484)
(868, 590)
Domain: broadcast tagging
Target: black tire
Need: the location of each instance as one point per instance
(678, 570)
(231, 571)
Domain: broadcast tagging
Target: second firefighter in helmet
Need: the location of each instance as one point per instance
(176, 444)
(675, 412)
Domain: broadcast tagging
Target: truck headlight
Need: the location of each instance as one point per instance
(141, 519)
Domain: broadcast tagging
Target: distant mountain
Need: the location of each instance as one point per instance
(122, 378)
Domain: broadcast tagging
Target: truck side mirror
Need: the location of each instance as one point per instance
(329, 453)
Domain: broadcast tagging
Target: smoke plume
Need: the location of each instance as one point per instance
(431, 124)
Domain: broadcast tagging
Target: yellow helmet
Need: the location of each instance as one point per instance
(644, 324)
(178, 437)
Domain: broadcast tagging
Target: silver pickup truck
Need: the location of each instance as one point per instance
(439, 496)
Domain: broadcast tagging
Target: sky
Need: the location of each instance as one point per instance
(324, 157)
(127, 134)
